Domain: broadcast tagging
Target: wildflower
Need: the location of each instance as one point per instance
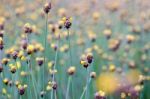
(112, 68)
(123, 95)
(96, 16)
(89, 58)
(10, 83)
(13, 69)
(21, 90)
(130, 38)
(48, 88)
(54, 85)
(100, 95)
(5, 61)
(54, 46)
(42, 93)
(50, 64)
(92, 36)
(108, 82)
(15, 55)
(27, 28)
(114, 44)
(107, 33)
(40, 61)
(71, 70)
(24, 43)
(93, 74)
(67, 22)
(6, 80)
(84, 63)
(47, 7)
(30, 49)
(17, 83)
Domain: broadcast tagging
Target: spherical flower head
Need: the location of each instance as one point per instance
(100, 95)
(54, 46)
(112, 67)
(84, 63)
(24, 43)
(21, 90)
(5, 81)
(71, 70)
(27, 28)
(30, 49)
(93, 74)
(89, 57)
(13, 69)
(67, 22)
(40, 61)
(5, 61)
(54, 85)
(42, 93)
(15, 55)
(47, 7)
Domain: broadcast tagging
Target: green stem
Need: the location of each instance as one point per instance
(55, 64)
(69, 47)
(85, 89)
(68, 87)
(45, 47)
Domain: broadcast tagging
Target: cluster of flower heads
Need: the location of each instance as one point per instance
(115, 54)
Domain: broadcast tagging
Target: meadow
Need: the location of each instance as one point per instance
(74, 49)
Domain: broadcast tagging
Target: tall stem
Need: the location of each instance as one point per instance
(69, 47)
(55, 64)
(68, 87)
(45, 47)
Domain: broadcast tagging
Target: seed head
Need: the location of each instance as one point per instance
(27, 28)
(93, 74)
(21, 90)
(13, 69)
(71, 70)
(47, 7)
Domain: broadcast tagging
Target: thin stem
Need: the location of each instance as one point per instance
(45, 47)
(69, 47)
(68, 87)
(85, 89)
(55, 64)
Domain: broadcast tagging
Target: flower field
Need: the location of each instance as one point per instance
(74, 49)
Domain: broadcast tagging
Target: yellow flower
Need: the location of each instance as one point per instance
(123, 95)
(48, 88)
(112, 67)
(107, 82)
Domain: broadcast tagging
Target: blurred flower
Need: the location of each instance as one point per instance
(107, 82)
